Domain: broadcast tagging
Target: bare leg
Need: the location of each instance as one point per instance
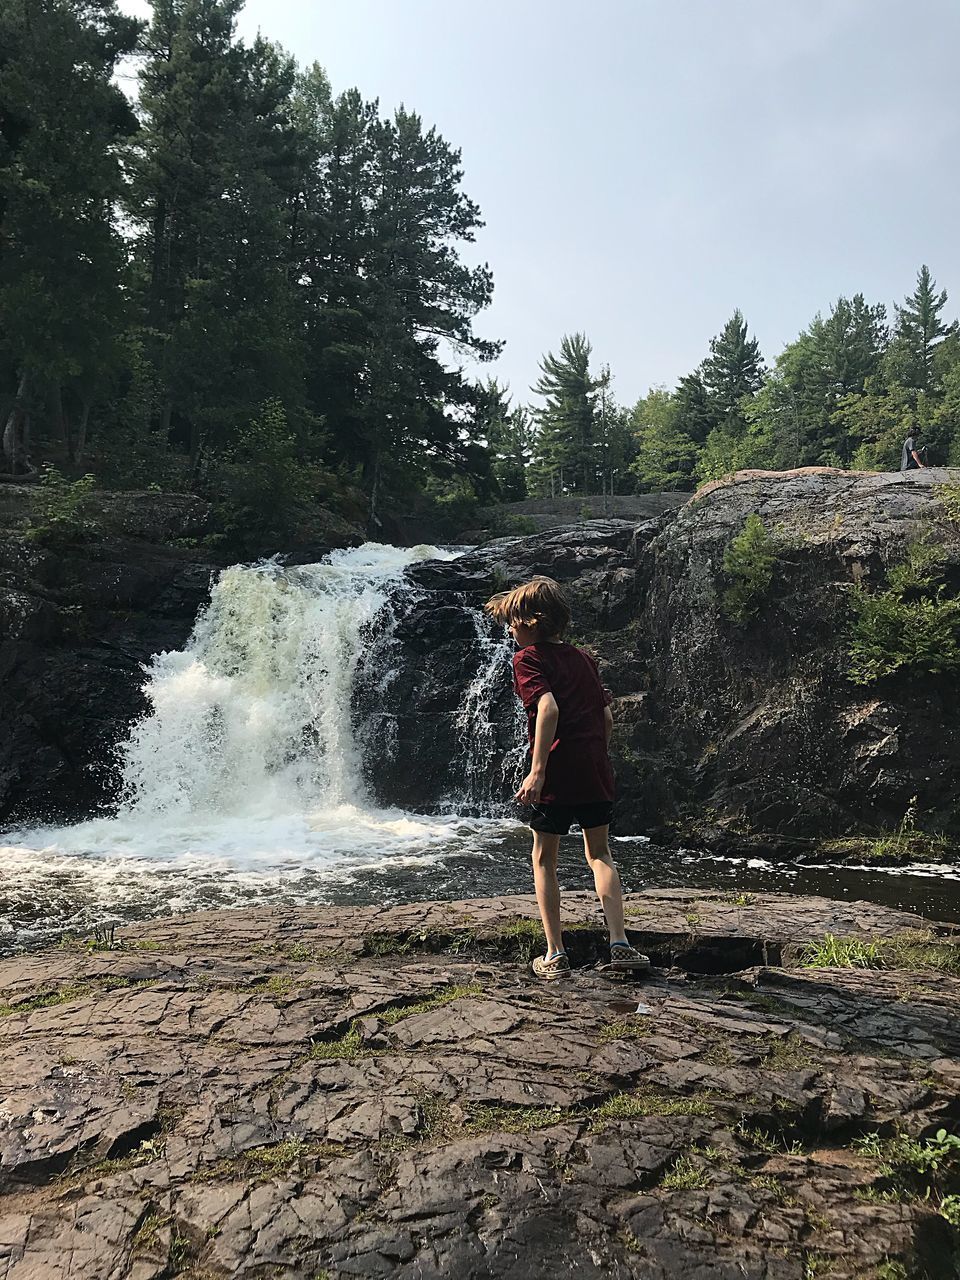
(545, 850)
(606, 879)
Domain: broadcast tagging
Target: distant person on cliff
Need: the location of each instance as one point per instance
(570, 780)
(910, 459)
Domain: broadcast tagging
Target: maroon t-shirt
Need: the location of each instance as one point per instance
(578, 766)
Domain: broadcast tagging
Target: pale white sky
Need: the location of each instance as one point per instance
(646, 166)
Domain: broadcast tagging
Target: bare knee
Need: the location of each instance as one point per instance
(544, 855)
(596, 847)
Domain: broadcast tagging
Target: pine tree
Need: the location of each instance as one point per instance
(506, 434)
(733, 369)
(214, 183)
(61, 271)
(615, 442)
(731, 373)
(566, 453)
(696, 416)
(919, 330)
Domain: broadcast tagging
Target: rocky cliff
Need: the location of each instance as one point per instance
(734, 726)
(78, 618)
(748, 726)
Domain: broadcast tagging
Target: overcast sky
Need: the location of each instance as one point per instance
(646, 166)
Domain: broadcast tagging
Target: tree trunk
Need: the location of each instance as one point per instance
(374, 522)
(16, 433)
(81, 441)
(63, 423)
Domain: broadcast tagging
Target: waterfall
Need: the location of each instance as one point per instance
(254, 717)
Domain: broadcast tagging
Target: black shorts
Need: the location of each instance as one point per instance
(557, 819)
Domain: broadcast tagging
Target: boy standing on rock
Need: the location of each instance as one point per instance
(569, 723)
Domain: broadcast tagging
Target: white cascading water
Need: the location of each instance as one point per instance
(254, 717)
(476, 727)
(244, 782)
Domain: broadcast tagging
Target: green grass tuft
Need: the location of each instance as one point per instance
(683, 1175)
(397, 1013)
(905, 951)
(47, 999)
(623, 1029)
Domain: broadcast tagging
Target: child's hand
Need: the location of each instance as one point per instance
(530, 788)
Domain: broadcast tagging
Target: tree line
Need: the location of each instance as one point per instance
(234, 281)
(846, 393)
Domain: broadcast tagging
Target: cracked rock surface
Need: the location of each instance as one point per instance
(365, 1092)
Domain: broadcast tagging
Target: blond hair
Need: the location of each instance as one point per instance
(538, 603)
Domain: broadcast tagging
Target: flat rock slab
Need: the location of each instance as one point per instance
(364, 1092)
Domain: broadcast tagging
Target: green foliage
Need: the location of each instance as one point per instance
(915, 1169)
(948, 496)
(565, 453)
(748, 566)
(65, 126)
(919, 330)
(262, 487)
(905, 951)
(733, 369)
(522, 525)
(912, 628)
(684, 1175)
(665, 452)
(63, 509)
(451, 505)
(842, 953)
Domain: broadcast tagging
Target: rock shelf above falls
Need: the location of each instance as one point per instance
(366, 1092)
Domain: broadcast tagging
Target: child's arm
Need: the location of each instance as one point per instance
(548, 713)
(608, 722)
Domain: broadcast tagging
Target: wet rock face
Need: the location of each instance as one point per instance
(753, 725)
(760, 718)
(421, 753)
(359, 1092)
(77, 623)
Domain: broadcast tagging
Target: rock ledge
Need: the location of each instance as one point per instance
(364, 1092)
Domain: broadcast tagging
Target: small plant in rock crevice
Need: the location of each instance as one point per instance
(910, 628)
(748, 567)
(63, 508)
(683, 1175)
(918, 951)
(918, 1169)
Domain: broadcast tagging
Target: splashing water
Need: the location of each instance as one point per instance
(485, 768)
(244, 782)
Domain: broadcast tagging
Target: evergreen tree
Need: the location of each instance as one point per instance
(793, 420)
(565, 451)
(731, 374)
(695, 415)
(507, 435)
(64, 124)
(733, 369)
(214, 181)
(919, 330)
(614, 439)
